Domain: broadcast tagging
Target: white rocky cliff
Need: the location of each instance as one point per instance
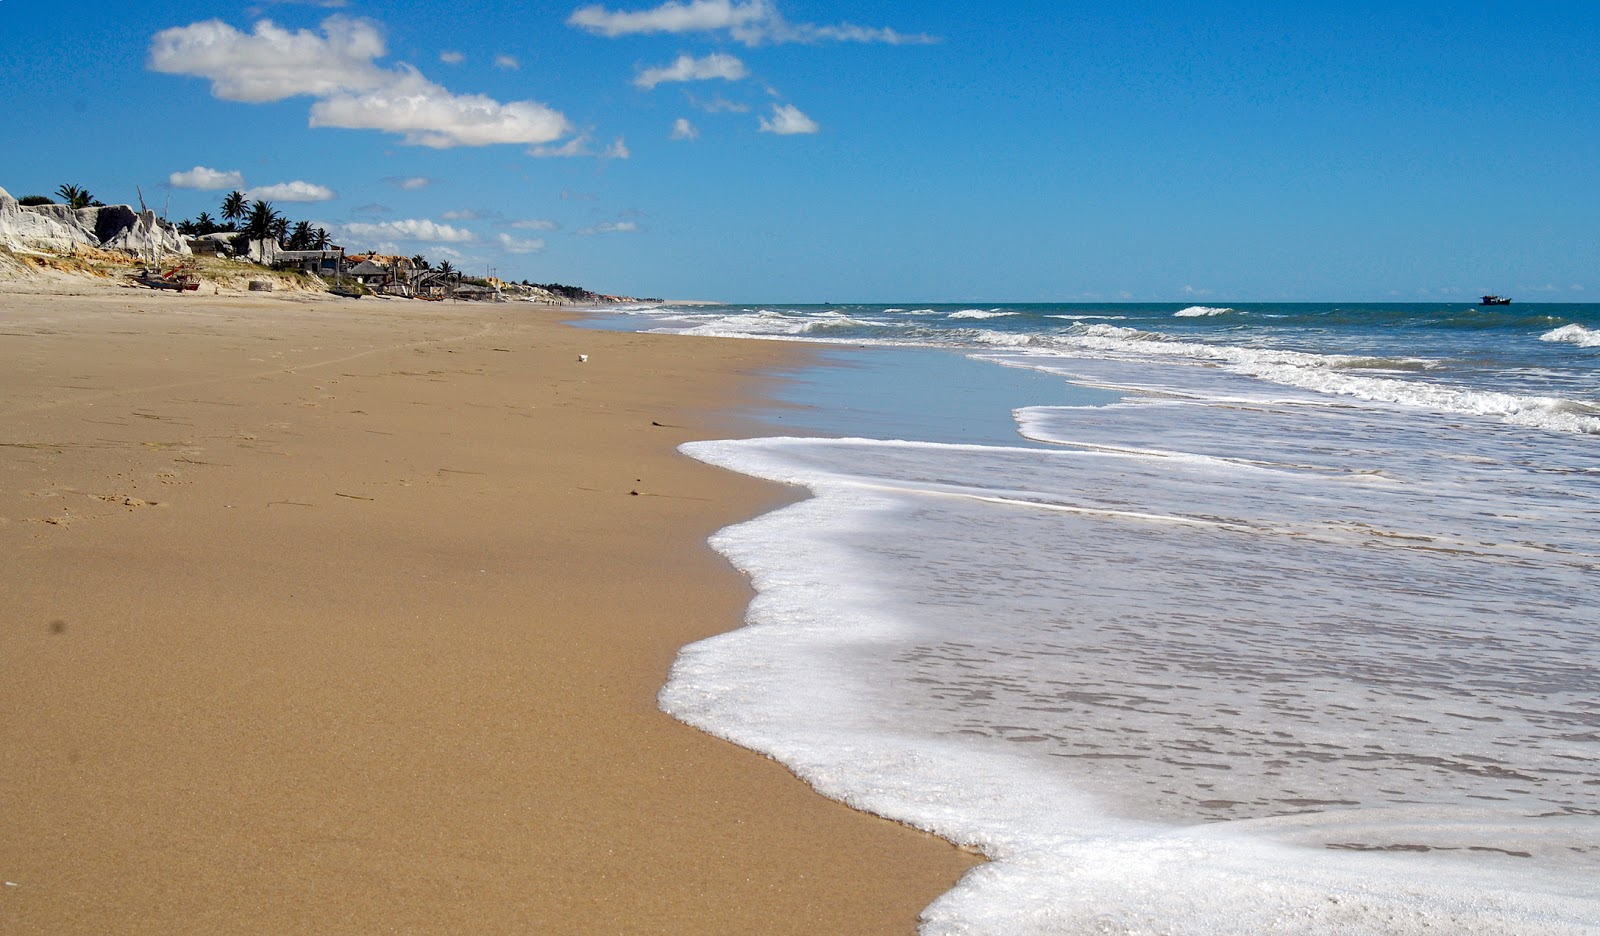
(59, 229)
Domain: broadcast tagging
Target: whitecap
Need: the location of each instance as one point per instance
(1574, 334)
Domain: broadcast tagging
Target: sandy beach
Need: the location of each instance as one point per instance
(333, 616)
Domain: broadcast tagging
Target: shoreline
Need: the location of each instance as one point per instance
(343, 617)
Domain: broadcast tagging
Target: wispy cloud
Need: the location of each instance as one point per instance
(610, 227)
(752, 23)
(689, 68)
(516, 245)
(337, 69)
(787, 120)
(206, 179)
(718, 105)
(408, 229)
(577, 146)
(507, 62)
(452, 57)
(408, 183)
(682, 129)
(535, 224)
(296, 191)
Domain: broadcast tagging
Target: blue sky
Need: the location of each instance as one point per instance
(781, 150)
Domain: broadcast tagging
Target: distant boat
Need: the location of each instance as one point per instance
(1495, 300)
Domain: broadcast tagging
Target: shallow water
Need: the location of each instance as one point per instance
(1294, 638)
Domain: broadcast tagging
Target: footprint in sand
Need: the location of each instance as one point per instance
(127, 500)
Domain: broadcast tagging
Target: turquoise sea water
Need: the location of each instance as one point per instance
(1195, 619)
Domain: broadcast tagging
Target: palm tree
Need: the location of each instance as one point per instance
(420, 262)
(233, 206)
(75, 196)
(300, 238)
(279, 228)
(259, 220)
(321, 239)
(445, 267)
(205, 224)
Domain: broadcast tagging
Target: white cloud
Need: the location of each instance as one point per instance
(682, 129)
(535, 224)
(408, 183)
(718, 105)
(508, 62)
(671, 17)
(337, 69)
(751, 23)
(296, 191)
(464, 214)
(610, 227)
(786, 120)
(409, 229)
(617, 150)
(689, 68)
(577, 146)
(271, 63)
(428, 115)
(452, 57)
(206, 179)
(518, 246)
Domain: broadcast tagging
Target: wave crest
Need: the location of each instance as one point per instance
(1574, 334)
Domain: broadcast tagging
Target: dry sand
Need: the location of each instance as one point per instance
(343, 617)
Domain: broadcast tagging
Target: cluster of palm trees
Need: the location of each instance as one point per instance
(419, 262)
(257, 220)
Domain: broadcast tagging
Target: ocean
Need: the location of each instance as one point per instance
(1212, 619)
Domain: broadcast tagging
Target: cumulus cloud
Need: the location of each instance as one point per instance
(518, 245)
(787, 119)
(617, 150)
(424, 114)
(337, 69)
(452, 57)
(272, 63)
(409, 229)
(610, 227)
(689, 68)
(751, 23)
(207, 179)
(508, 62)
(682, 129)
(296, 191)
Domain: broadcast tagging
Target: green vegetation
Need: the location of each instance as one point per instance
(257, 220)
(74, 196)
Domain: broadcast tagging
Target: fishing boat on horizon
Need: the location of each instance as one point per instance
(1494, 300)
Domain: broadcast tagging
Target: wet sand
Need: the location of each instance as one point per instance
(348, 617)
